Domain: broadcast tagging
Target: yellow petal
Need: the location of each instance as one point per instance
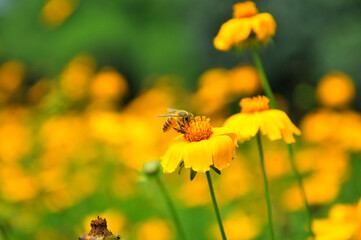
(269, 125)
(225, 131)
(244, 9)
(198, 155)
(264, 26)
(221, 43)
(174, 155)
(242, 29)
(244, 125)
(275, 124)
(232, 32)
(222, 151)
(289, 130)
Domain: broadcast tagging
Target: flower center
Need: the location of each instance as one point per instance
(255, 104)
(198, 129)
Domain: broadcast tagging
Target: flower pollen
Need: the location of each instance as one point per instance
(198, 129)
(255, 104)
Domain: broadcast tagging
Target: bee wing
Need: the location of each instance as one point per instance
(172, 110)
(167, 115)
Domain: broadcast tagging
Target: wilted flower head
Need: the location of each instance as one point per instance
(256, 116)
(246, 28)
(99, 230)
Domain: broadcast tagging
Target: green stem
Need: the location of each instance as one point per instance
(300, 183)
(264, 81)
(172, 209)
(268, 200)
(273, 104)
(209, 179)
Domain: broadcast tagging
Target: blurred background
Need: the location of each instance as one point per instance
(81, 82)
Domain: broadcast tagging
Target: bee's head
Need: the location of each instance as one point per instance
(188, 117)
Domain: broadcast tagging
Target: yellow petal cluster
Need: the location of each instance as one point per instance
(200, 147)
(256, 116)
(246, 24)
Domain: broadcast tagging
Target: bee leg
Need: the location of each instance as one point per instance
(179, 129)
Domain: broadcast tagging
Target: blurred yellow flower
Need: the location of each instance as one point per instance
(238, 179)
(319, 127)
(55, 12)
(239, 226)
(106, 126)
(108, 84)
(218, 87)
(325, 169)
(199, 191)
(277, 163)
(68, 136)
(17, 185)
(256, 116)
(38, 91)
(335, 89)
(343, 223)
(17, 143)
(74, 80)
(213, 92)
(154, 229)
(245, 28)
(200, 147)
(244, 80)
(11, 76)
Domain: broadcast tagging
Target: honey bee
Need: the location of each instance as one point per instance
(176, 119)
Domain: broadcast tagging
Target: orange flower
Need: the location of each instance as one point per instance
(256, 116)
(335, 89)
(200, 147)
(245, 28)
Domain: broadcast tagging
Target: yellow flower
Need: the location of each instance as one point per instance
(246, 24)
(213, 92)
(335, 89)
(244, 80)
(55, 12)
(256, 116)
(200, 147)
(108, 85)
(154, 229)
(343, 223)
(11, 76)
(322, 182)
(74, 80)
(251, 226)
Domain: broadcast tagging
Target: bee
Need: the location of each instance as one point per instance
(177, 119)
